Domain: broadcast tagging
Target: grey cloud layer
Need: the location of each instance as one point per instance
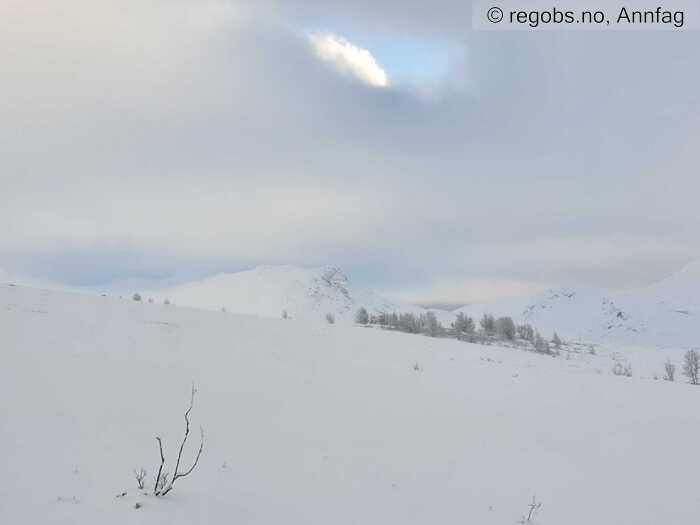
(194, 136)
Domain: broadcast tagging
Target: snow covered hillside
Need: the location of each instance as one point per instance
(308, 423)
(304, 293)
(664, 314)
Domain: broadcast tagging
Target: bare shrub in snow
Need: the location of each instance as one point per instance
(669, 371)
(140, 476)
(136, 297)
(160, 482)
(691, 366)
(162, 486)
(532, 510)
(622, 370)
(285, 315)
(166, 301)
(330, 318)
(362, 316)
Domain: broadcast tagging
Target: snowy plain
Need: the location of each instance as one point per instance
(308, 423)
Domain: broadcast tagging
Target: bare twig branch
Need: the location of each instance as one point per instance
(199, 453)
(187, 431)
(177, 474)
(162, 483)
(534, 506)
(157, 488)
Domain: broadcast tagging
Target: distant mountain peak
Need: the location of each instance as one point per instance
(301, 292)
(665, 313)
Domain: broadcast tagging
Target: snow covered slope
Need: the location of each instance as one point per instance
(663, 314)
(577, 313)
(312, 424)
(304, 293)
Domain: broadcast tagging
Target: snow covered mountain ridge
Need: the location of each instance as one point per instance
(663, 314)
(268, 291)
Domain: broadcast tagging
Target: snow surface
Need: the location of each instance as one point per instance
(308, 423)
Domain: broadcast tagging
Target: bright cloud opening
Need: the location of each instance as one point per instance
(349, 58)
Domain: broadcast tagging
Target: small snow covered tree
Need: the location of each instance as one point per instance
(330, 318)
(691, 366)
(669, 370)
(463, 325)
(409, 323)
(505, 328)
(285, 315)
(458, 323)
(394, 321)
(362, 316)
(556, 341)
(541, 344)
(469, 326)
(488, 324)
(136, 297)
(430, 324)
(526, 332)
(382, 319)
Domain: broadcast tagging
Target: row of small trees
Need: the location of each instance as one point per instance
(426, 323)
(137, 297)
(464, 328)
(691, 367)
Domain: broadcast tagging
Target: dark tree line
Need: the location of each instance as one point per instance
(491, 329)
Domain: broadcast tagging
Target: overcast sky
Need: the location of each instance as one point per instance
(173, 139)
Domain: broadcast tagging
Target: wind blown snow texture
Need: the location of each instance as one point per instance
(315, 424)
